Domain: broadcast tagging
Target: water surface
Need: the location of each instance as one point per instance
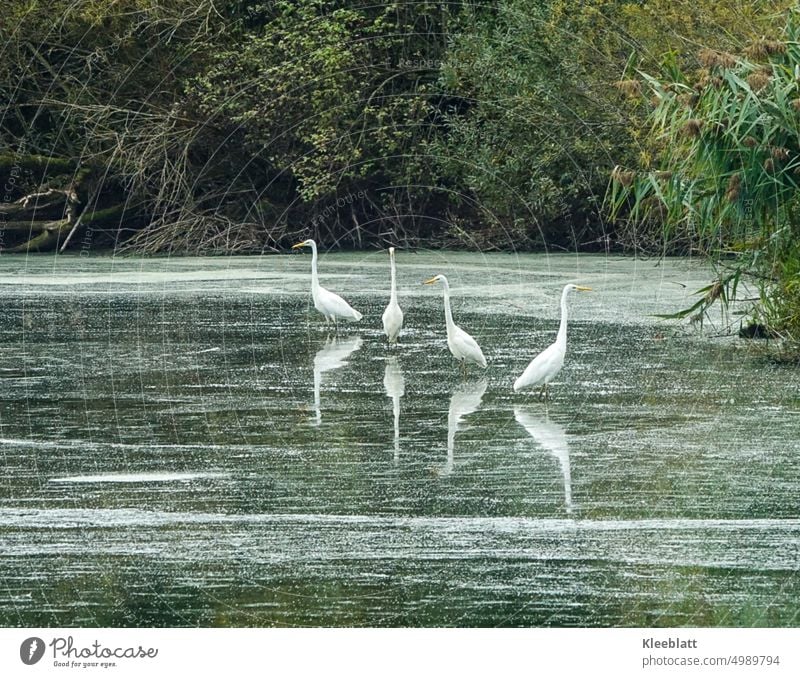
(183, 443)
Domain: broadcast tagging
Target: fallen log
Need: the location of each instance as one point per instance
(49, 236)
(52, 232)
(21, 207)
(36, 163)
(22, 226)
(62, 200)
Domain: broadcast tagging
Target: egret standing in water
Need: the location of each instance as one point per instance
(392, 316)
(332, 306)
(464, 348)
(546, 365)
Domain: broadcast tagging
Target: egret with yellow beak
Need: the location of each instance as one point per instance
(332, 306)
(546, 365)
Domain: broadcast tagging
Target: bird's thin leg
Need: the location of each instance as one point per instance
(546, 393)
(542, 391)
(464, 369)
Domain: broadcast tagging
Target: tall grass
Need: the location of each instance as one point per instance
(725, 183)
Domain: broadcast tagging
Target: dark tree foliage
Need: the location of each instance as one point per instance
(239, 125)
(227, 125)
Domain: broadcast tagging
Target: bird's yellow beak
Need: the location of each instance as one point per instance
(431, 281)
(583, 289)
(298, 245)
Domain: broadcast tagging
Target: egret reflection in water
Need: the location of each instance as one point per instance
(465, 400)
(553, 438)
(321, 530)
(395, 385)
(331, 356)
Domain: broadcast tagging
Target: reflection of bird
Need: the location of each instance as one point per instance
(546, 365)
(395, 386)
(462, 345)
(552, 437)
(392, 316)
(331, 305)
(331, 356)
(464, 401)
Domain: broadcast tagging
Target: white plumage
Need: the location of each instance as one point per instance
(463, 347)
(392, 316)
(330, 305)
(546, 365)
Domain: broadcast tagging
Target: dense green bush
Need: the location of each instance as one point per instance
(233, 125)
(326, 98)
(532, 140)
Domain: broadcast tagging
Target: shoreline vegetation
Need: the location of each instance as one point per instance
(242, 126)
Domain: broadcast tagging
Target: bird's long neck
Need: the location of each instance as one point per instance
(561, 339)
(314, 278)
(448, 314)
(393, 295)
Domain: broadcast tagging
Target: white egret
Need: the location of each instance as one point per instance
(332, 355)
(546, 365)
(392, 316)
(332, 306)
(464, 348)
(552, 437)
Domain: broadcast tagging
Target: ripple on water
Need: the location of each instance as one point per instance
(170, 458)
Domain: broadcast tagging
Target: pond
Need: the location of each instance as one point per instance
(185, 444)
